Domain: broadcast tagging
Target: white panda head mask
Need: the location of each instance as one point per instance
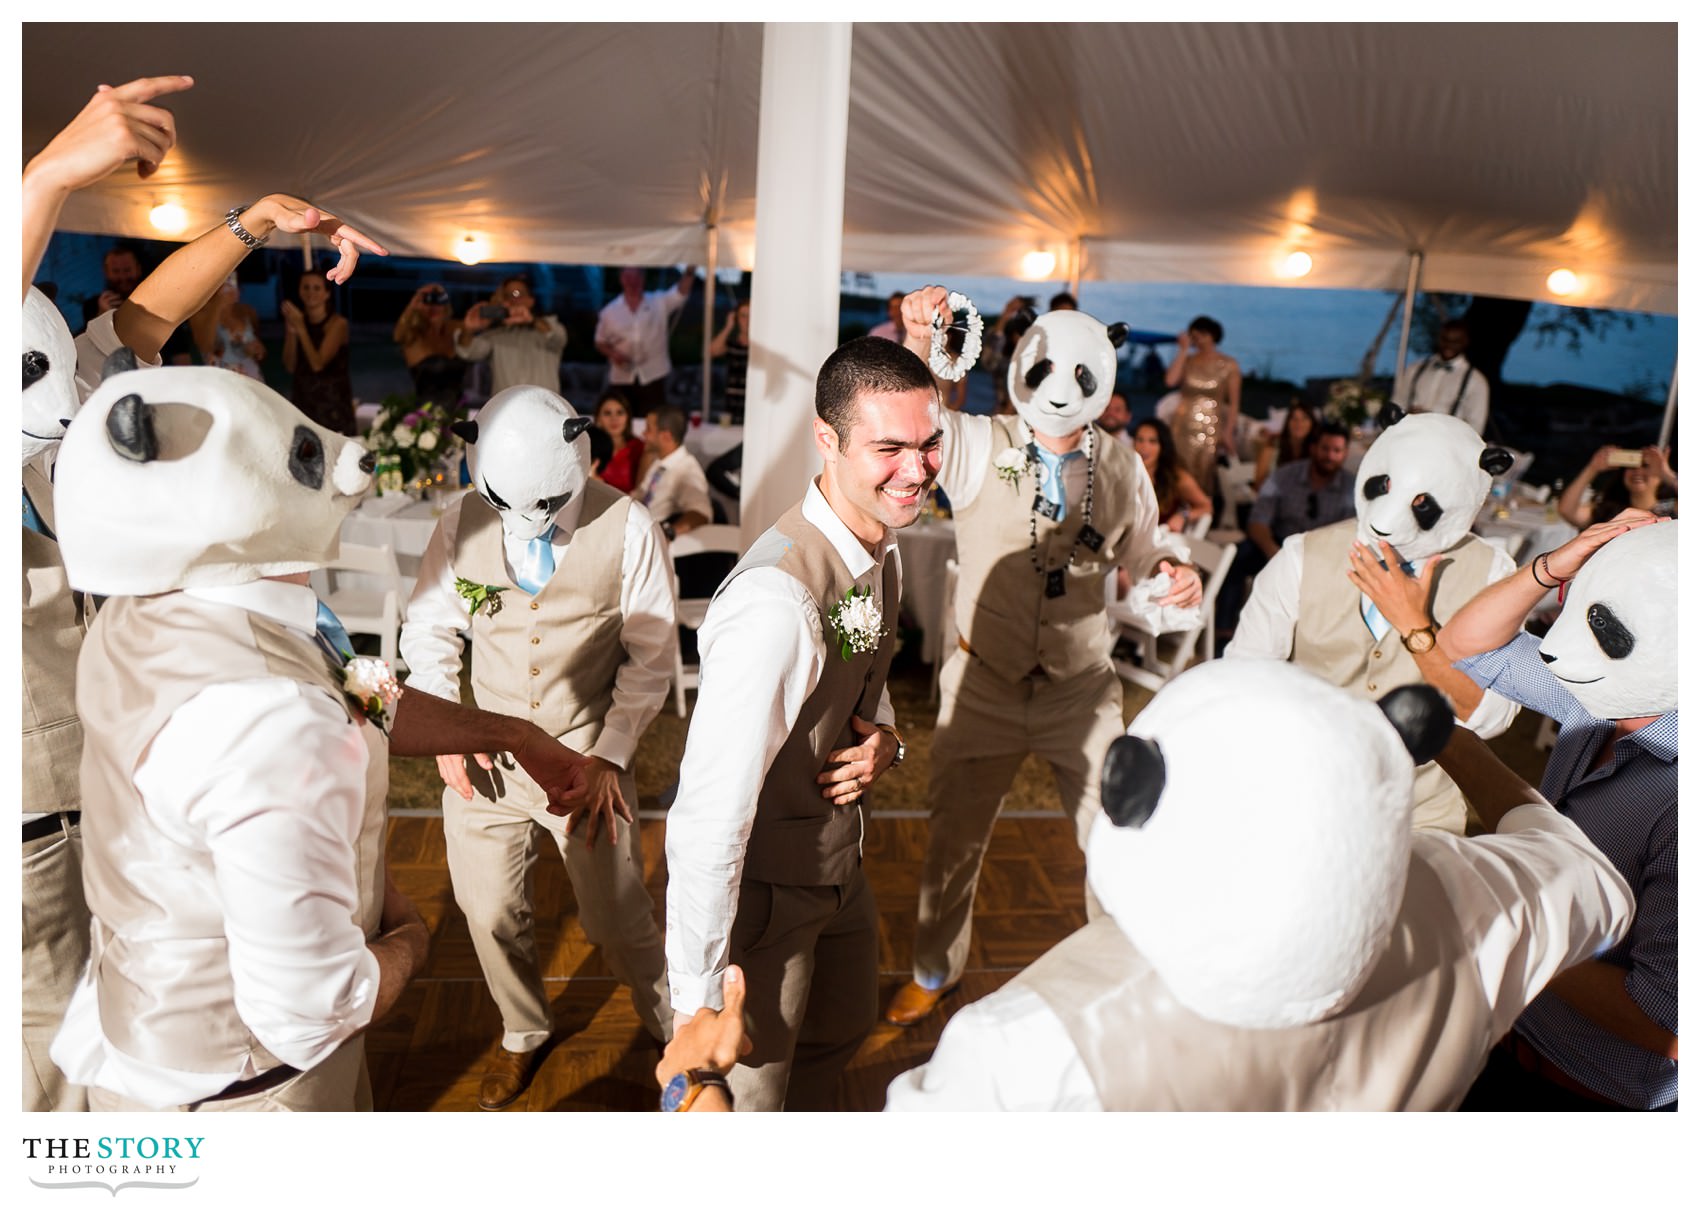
(1614, 643)
(1263, 890)
(197, 476)
(1063, 371)
(528, 458)
(1422, 482)
(50, 375)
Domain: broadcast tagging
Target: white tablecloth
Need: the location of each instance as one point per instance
(407, 530)
(924, 548)
(1527, 529)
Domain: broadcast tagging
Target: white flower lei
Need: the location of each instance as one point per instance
(942, 364)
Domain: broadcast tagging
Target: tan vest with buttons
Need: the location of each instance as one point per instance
(158, 953)
(52, 633)
(1001, 608)
(799, 837)
(1414, 1038)
(1330, 639)
(549, 659)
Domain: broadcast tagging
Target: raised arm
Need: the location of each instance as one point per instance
(1176, 370)
(1570, 507)
(295, 331)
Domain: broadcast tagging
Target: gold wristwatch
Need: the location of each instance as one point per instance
(1419, 640)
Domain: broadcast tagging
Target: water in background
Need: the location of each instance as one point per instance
(1296, 333)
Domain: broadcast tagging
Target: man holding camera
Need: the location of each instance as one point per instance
(521, 346)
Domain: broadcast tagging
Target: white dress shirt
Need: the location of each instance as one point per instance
(1525, 897)
(1266, 624)
(676, 484)
(270, 777)
(967, 457)
(641, 335)
(1437, 388)
(763, 650)
(437, 615)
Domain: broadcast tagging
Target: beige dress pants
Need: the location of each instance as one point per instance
(810, 955)
(55, 949)
(334, 1085)
(491, 853)
(986, 728)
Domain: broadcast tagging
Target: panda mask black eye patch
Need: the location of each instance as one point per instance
(1427, 511)
(1615, 640)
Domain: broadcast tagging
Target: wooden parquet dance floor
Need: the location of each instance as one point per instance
(430, 1055)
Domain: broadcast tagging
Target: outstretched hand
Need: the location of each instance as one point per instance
(1401, 598)
(1565, 562)
(289, 214)
(115, 127)
(919, 308)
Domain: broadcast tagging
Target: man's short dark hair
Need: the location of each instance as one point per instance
(670, 419)
(1331, 429)
(1064, 301)
(864, 365)
(121, 249)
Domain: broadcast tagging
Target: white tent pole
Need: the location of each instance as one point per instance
(804, 123)
(1669, 423)
(713, 266)
(1074, 269)
(306, 250)
(1405, 325)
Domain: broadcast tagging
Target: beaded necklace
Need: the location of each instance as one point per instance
(1087, 536)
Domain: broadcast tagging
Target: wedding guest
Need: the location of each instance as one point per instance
(732, 343)
(426, 332)
(1293, 442)
(1649, 484)
(224, 331)
(891, 328)
(521, 346)
(1116, 419)
(1064, 301)
(632, 330)
(315, 351)
(1208, 417)
(1179, 499)
(671, 483)
(1445, 382)
(614, 418)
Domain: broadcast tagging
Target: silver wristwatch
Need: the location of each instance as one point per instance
(233, 221)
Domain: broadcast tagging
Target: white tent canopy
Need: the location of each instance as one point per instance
(1200, 153)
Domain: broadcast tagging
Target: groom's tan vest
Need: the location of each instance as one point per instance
(1331, 640)
(52, 634)
(549, 658)
(158, 952)
(799, 837)
(1001, 608)
(1413, 1039)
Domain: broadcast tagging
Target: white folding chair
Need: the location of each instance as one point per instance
(946, 625)
(369, 600)
(1212, 562)
(1199, 528)
(692, 611)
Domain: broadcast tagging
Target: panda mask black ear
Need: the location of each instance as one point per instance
(1390, 415)
(572, 427)
(1496, 461)
(466, 431)
(1118, 333)
(129, 426)
(119, 361)
(1422, 718)
(1132, 780)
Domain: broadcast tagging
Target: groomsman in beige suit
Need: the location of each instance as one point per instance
(792, 725)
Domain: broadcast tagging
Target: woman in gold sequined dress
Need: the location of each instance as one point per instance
(1209, 412)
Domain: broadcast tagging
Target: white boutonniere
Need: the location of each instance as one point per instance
(486, 598)
(1011, 465)
(857, 621)
(371, 688)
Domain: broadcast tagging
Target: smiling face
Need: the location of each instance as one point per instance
(881, 477)
(1420, 485)
(1614, 643)
(1063, 372)
(1147, 444)
(613, 419)
(314, 291)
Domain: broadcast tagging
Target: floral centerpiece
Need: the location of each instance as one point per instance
(413, 438)
(1352, 403)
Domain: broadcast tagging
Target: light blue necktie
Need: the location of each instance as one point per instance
(1051, 479)
(1374, 620)
(332, 633)
(539, 564)
(32, 519)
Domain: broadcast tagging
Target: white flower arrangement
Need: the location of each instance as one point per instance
(857, 621)
(971, 326)
(1011, 464)
(404, 437)
(372, 688)
(427, 440)
(1351, 403)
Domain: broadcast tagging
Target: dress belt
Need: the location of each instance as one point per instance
(41, 827)
(253, 1086)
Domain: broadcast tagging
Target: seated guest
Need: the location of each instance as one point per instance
(1372, 973)
(672, 486)
(1298, 497)
(1290, 445)
(1116, 417)
(1648, 484)
(1179, 499)
(1603, 1035)
(614, 418)
(235, 758)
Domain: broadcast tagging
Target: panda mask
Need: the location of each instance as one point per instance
(1422, 482)
(1063, 371)
(529, 459)
(50, 375)
(1614, 643)
(1262, 890)
(197, 476)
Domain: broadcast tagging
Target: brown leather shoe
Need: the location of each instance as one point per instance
(914, 1002)
(508, 1077)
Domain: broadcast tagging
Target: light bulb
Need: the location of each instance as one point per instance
(169, 218)
(1295, 264)
(472, 249)
(1037, 265)
(1562, 282)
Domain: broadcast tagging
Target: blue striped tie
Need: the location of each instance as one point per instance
(1051, 479)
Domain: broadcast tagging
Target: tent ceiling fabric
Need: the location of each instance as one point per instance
(1149, 152)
